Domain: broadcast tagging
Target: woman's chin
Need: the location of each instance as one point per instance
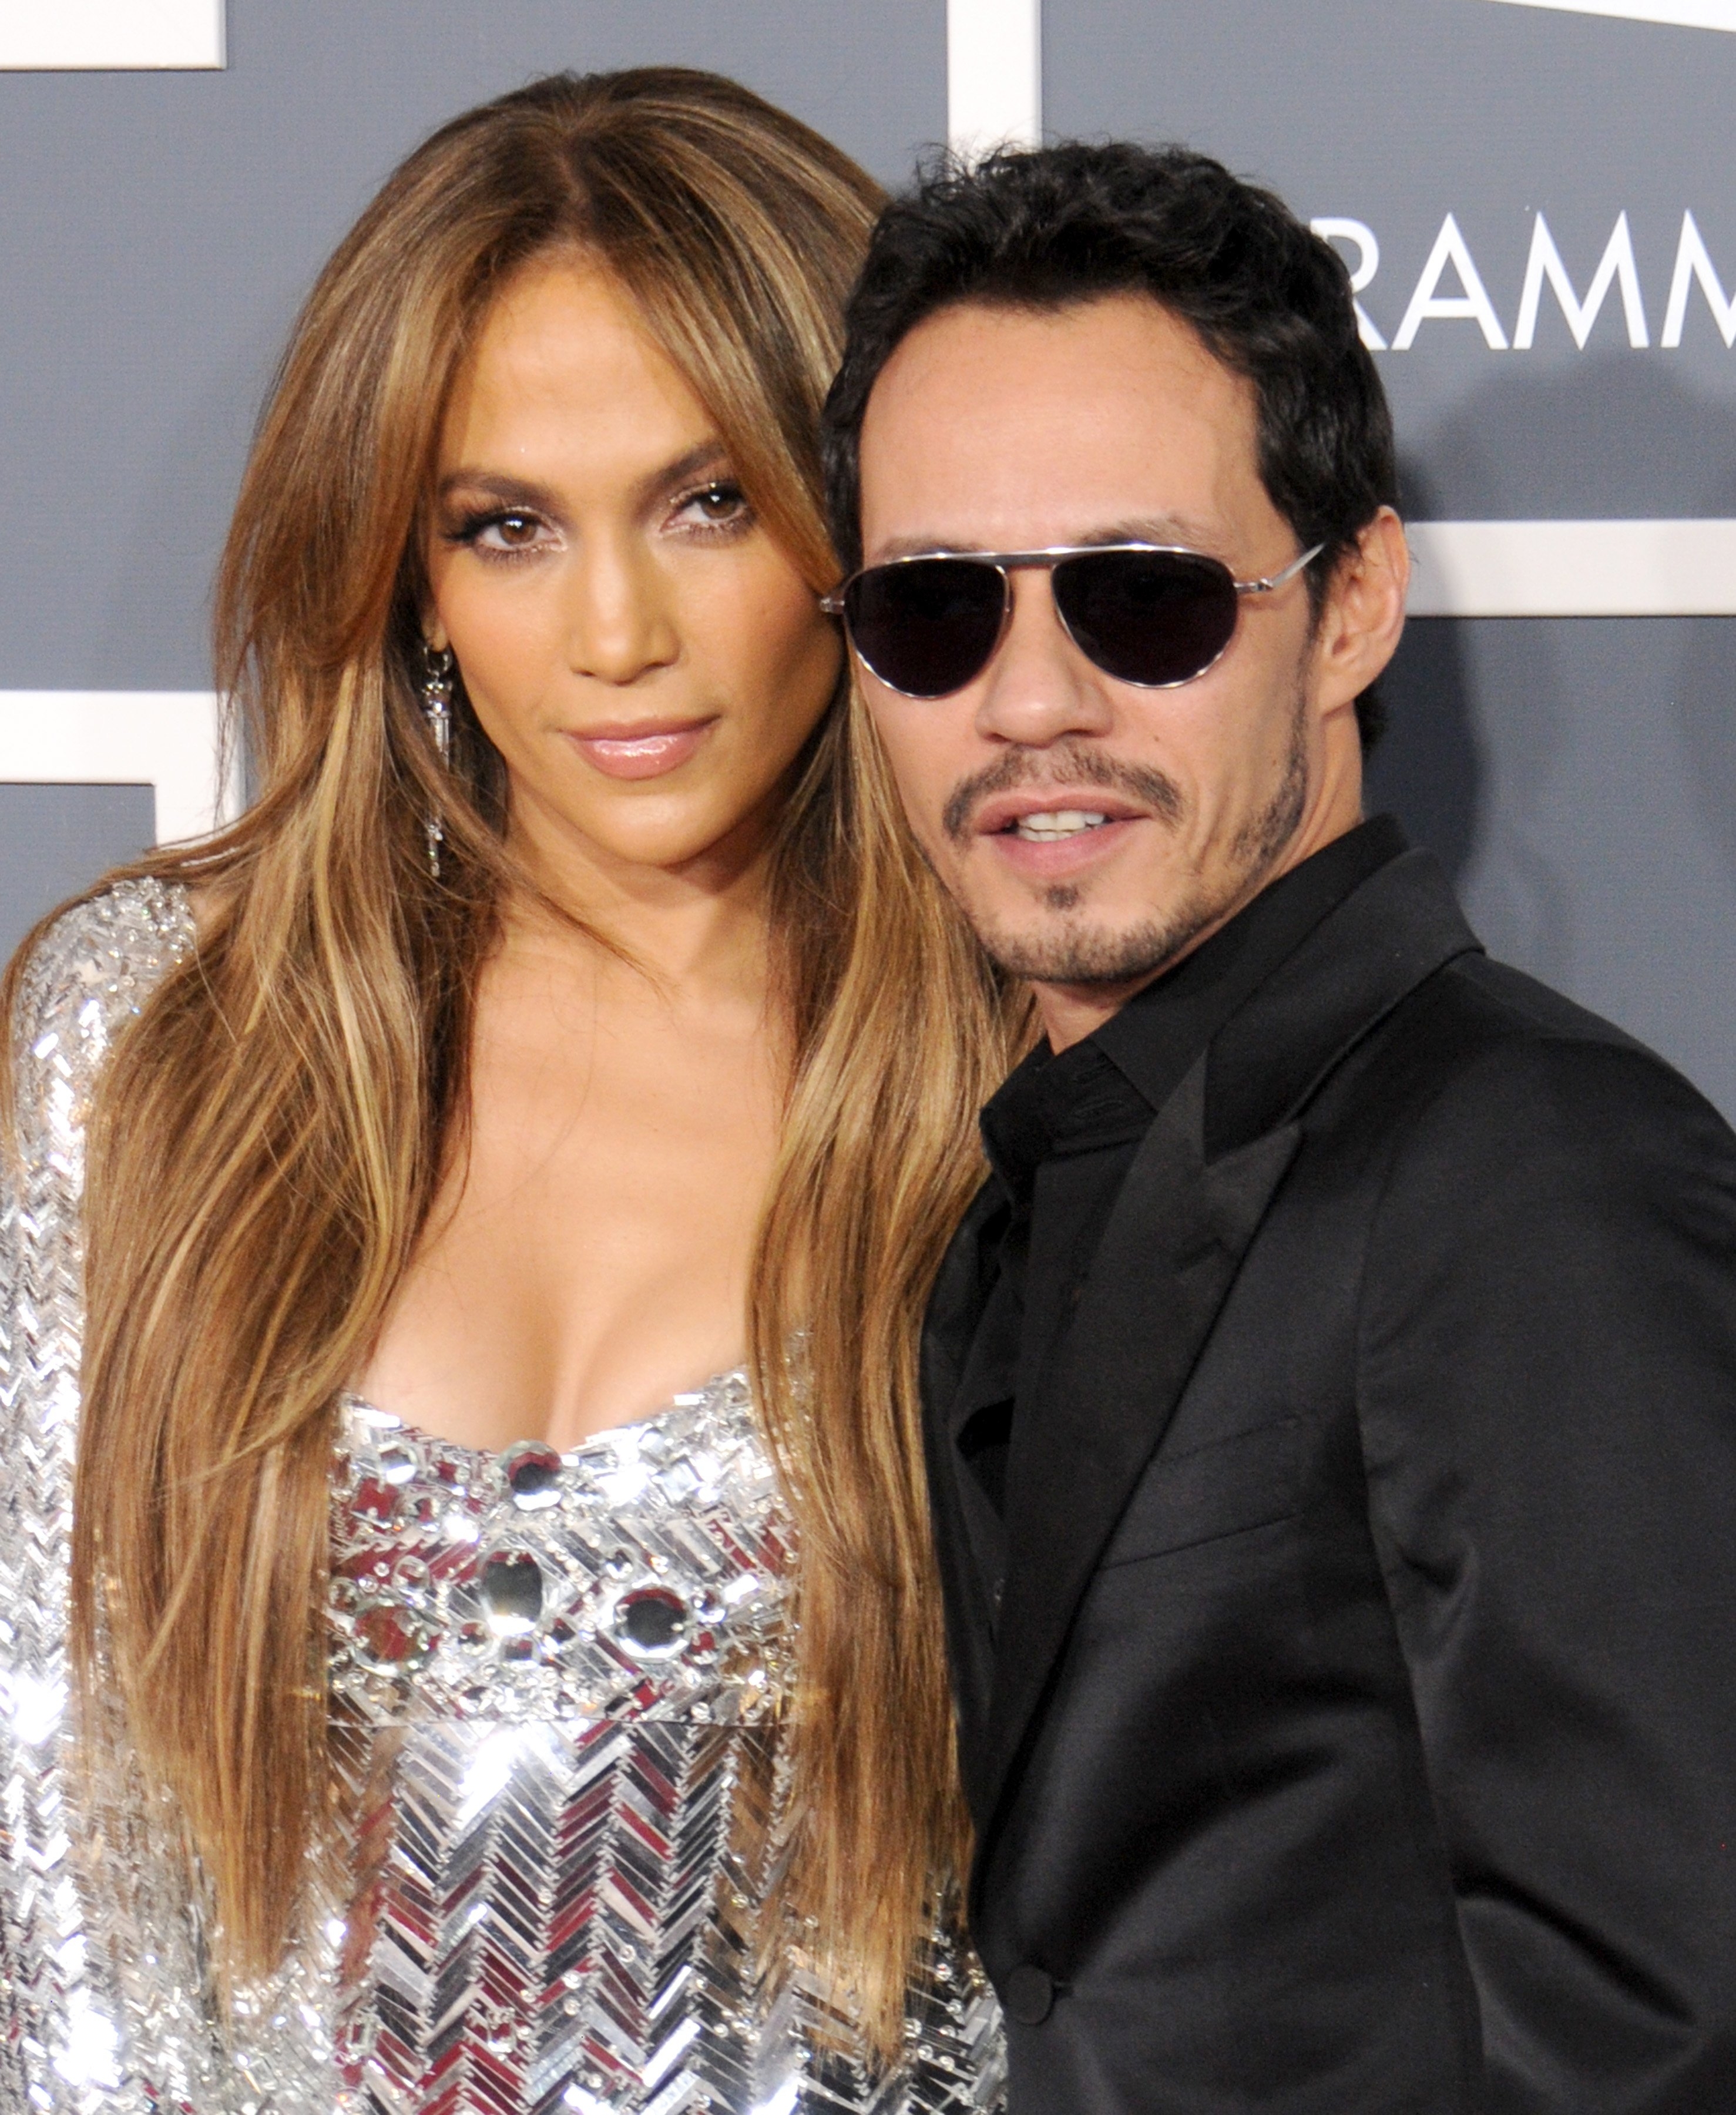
(684, 838)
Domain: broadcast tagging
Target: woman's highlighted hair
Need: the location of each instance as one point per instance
(271, 1131)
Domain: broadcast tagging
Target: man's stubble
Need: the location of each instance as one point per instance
(1070, 952)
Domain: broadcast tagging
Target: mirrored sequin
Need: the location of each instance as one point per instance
(397, 1462)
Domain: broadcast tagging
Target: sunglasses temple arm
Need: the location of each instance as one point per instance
(1273, 581)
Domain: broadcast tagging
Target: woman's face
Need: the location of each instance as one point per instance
(646, 658)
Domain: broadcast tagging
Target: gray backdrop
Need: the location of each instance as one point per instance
(1578, 775)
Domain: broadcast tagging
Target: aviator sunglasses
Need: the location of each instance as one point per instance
(1147, 613)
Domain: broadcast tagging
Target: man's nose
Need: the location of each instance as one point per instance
(621, 621)
(1039, 688)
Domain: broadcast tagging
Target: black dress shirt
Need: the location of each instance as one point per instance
(1062, 1131)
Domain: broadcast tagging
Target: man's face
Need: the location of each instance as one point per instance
(1092, 830)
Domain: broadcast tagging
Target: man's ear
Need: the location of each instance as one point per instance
(1363, 615)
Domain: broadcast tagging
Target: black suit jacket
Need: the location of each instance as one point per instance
(1357, 1733)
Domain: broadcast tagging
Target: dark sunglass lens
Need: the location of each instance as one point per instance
(927, 626)
(1154, 617)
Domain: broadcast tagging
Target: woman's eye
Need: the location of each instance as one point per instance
(501, 534)
(509, 532)
(719, 505)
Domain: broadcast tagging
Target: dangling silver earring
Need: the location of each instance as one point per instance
(436, 710)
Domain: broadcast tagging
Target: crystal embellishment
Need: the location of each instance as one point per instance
(651, 1621)
(532, 1473)
(511, 1587)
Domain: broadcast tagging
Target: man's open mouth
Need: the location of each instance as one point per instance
(1054, 824)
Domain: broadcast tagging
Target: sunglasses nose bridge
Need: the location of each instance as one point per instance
(1038, 687)
(1058, 570)
(1056, 573)
(1040, 568)
(1004, 574)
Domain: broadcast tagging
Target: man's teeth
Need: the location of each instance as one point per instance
(1060, 823)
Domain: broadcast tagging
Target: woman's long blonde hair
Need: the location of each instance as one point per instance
(269, 1136)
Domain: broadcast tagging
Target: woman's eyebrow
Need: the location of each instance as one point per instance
(495, 484)
(707, 455)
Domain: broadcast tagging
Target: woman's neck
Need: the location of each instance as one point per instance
(701, 928)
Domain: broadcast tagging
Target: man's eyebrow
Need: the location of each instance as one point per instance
(926, 547)
(1164, 528)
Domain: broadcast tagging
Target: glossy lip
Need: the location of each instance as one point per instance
(641, 749)
(1062, 856)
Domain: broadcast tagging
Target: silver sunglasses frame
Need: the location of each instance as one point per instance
(1005, 562)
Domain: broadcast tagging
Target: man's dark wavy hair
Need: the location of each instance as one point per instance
(1056, 226)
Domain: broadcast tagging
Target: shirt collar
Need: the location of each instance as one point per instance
(1105, 1089)
(1073, 1103)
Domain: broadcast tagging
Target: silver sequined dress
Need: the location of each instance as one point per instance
(557, 1680)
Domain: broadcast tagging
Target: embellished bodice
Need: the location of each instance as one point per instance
(643, 1575)
(559, 1688)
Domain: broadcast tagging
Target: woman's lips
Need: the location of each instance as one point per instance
(642, 751)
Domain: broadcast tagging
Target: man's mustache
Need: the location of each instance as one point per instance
(1060, 768)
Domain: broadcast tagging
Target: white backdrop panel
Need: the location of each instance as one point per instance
(1572, 568)
(993, 73)
(1684, 14)
(167, 740)
(77, 35)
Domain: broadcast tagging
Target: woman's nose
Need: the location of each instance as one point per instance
(622, 621)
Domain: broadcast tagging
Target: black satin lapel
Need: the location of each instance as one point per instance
(1167, 1260)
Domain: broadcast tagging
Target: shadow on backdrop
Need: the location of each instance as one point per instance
(1703, 699)
(1426, 770)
